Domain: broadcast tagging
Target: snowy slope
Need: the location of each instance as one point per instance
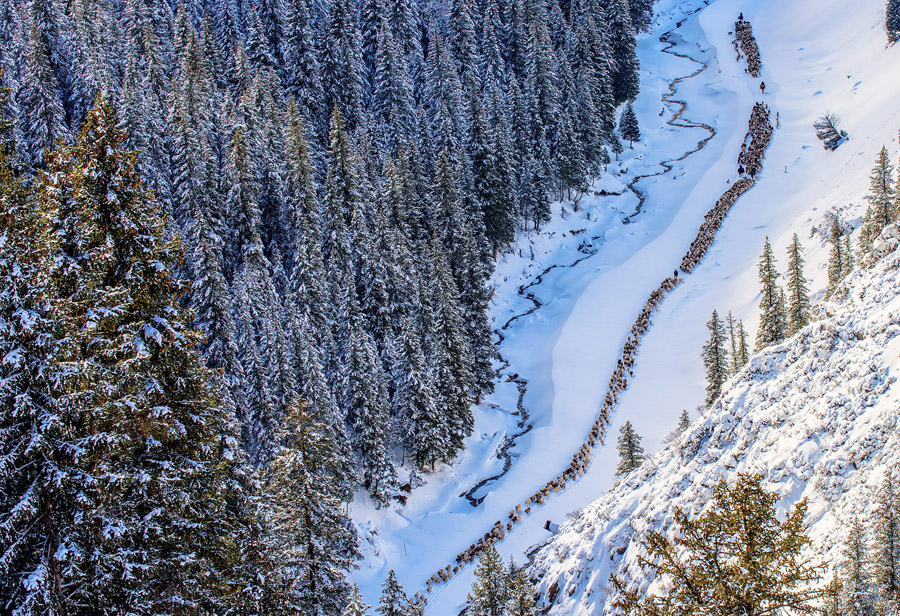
(816, 415)
(566, 349)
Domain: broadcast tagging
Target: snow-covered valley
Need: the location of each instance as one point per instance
(589, 274)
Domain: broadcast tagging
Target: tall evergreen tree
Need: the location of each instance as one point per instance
(628, 125)
(797, 290)
(394, 601)
(881, 196)
(771, 322)
(736, 558)
(836, 257)
(624, 51)
(355, 604)
(34, 517)
(451, 368)
(149, 526)
(342, 61)
(856, 595)
(490, 592)
(886, 556)
(631, 454)
(41, 101)
(684, 421)
(521, 592)
(312, 536)
(715, 358)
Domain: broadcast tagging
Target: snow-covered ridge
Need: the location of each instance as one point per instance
(816, 415)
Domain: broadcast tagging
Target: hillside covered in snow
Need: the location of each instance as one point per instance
(816, 415)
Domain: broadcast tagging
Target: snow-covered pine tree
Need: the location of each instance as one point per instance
(881, 196)
(300, 70)
(892, 20)
(451, 367)
(363, 398)
(624, 50)
(341, 198)
(771, 322)
(847, 256)
(312, 538)
(149, 526)
(33, 516)
(628, 125)
(541, 71)
(797, 290)
(836, 257)
(521, 592)
(394, 601)
(341, 65)
(492, 176)
(631, 454)
(684, 421)
(355, 604)
(457, 237)
(886, 549)
(490, 592)
(715, 359)
(743, 346)
(856, 593)
(423, 430)
(731, 327)
(40, 101)
(266, 349)
(616, 146)
(307, 283)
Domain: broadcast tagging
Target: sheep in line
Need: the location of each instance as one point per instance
(743, 33)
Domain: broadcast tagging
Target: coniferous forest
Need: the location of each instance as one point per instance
(244, 261)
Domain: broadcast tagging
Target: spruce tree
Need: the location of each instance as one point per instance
(715, 358)
(490, 592)
(341, 65)
(624, 51)
(628, 125)
(736, 558)
(313, 540)
(771, 323)
(881, 196)
(451, 367)
(34, 514)
(856, 592)
(798, 292)
(743, 345)
(846, 256)
(886, 553)
(836, 257)
(631, 454)
(684, 421)
(521, 592)
(355, 604)
(394, 601)
(734, 341)
(423, 429)
(146, 492)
